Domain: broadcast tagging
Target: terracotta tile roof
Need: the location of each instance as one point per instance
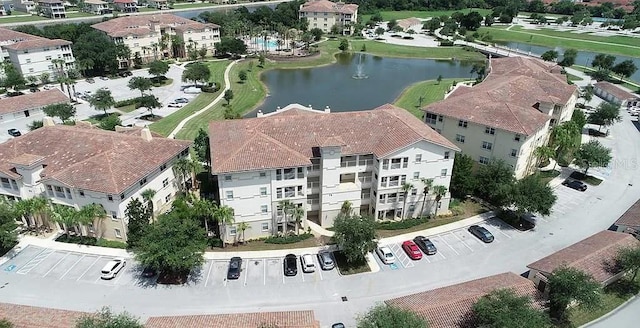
(95, 2)
(32, 101)
(49, 1)
(14, 36)
(452, 306)
(23, 316)
(291, 319)
(26, 159)
(37, 44)
(90, 159)
(615, 90)
(125, 1)
(141, 24)
(631, 218)
(594, 255)
(326, 6)
(291, 137)
(506, 98)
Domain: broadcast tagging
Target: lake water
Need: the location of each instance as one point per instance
(584, 57)
(334, 85)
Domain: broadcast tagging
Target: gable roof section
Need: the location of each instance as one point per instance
(141, 24)
(594, 255)
(326, 6)
(291, 137)
(615, 90)
(631, 218)
(8, 35)
(32, 101)
(90, 159)
(452, 306)
(290, 319)
(23, 316)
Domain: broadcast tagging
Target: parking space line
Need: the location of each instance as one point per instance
(89, 268)
(72, 266)
(500, 231)
(462, 241)
(302, 275)
(319, 269)
(264, 272)
(426, 258)
(283, 282)
(246, 274)
(55, 265)
(443, 257)
(35, 261)
(453, 249)
(119, 275)
(206, 281)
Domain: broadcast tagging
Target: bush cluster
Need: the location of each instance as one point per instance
(91, 241)
(126, 102)
(399, 225)
(289, 239)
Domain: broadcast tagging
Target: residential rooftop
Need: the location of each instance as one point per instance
(32, 101)
(37, 44)
(615, 90)
(11, 36)
(290, 319)
(631, 218)
(24, 316)
(292, 136)
(326, 6)
(141, 24)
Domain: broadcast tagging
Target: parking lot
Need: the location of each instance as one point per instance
(451, 244)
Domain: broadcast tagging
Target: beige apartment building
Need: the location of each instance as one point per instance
(324, 14)
(51, 8)
(145, 35)
(96, 7)
(508, 115)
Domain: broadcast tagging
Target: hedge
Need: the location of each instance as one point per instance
(399, 225)
(290, 239)
(126, 102)
(91, 241)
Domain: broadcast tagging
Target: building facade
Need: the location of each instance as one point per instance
(27, 6)
(29, 105)
(614, 94)
(51, 8)
(145, 35)
(126, 6)
(324, 14)
(78, 165)
(96, 7)
(159, 4)
(319, 160)
(508, 115)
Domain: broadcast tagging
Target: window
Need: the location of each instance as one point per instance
(514, 152)
(405, 162)
(489, 130)
(418, 158)
(117, 233)
(487, 145)
(28, 60)
(414, 192)
(440, 117)
(517, 137)
(431, 118)
(114, 216)
(229, 194)
(163, 167)
(383, 181)
(446, 154)
(385, 164)
(122, 196)
(227, 178)
(265, 226)
(233, 231)
(443, 172)
(143, 181)
(47, 58)
(110, 198)
(167, 198)
(31, 70)
(396, 163)
(416, 175)
(263, 191)
(165, 182)
(483, 160)
(412, 207)
(300, 173)
(300, 193)
(263, 174)
(462, 123)
(279, 193)
(264, 208)
(459, 138)
(80, 192)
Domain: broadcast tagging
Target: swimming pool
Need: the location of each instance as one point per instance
(270, 45)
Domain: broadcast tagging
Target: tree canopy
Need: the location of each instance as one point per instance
(355, 236)
(462, 179)
(532, 194)
(231, 46)
(384, 316)
(503, 308)
(138, 217)
(102, 100)
(494, 181)
(63, 111)
(140, 83)
(569, 58)
(567, 285)
(592, 154)
(606, 114)
(107, 319)
(196, 72)
(628, 259)
(158, 68)
(8, 216)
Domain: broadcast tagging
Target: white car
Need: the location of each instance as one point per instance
(307, 263)
(111, 269)
(175, 105)
(385, 254)
(192, 90)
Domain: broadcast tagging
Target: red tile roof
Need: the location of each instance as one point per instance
(125, 1)
(452, 306)
(594, 255)
(141, 24)
(615, 90)
(631, 218)
(37, 44)
(23, 316)
(90, 159)
(506, 98)
(326, 6)
(32, 101)
(7, 35)
(291, 319)
(292, 136)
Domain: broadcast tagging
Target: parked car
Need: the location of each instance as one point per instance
(326, 261)
(290, 265)
(482, 233)
(111, 269)
(34, 90)
(306, 261)
(338, 325)
(575, 184)
(90, 80)
(14, 132)
(149, 272)
(47, 87)
(235, 267)
(385, 254)
(125, 74)
(181, 100)
(175, 105)
(425, 245)
(192, 90)
(412, 250)
(104, 78)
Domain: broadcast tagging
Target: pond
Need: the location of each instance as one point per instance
(584, 57)
(338, 87)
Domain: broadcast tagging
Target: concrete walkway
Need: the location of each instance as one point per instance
(227, 86)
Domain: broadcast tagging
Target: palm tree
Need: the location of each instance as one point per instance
(298, 213)
(544, 153)
(563, 138)
(181, 169)
(286, 206)
(439, 191)
(194, 167)
(41, 208)
(406, 187)
(425, 191)
(224, 216)
(93, 214)
(147, 196)
(205, 209)
(242, 226)
(66, 216)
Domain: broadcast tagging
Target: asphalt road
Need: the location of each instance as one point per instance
(575, 217)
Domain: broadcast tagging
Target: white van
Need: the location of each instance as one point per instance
(308, 265)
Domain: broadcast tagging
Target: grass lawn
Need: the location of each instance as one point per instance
(431, 90)
(349, 268)
(547, 176)
(127, 109)
(145, 9)
(391, 50)
(164, 82)
(614, 295)
(167, 124)
(616, 45)
(389, 15)
(468, 209)
(573, 78)
(79, 14)
(19, 19)
(622, 82)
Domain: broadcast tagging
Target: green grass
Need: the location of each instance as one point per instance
(629, 84)
(588, 179)
(547, 176)
(167, 124)
(389, 15)
(616, 45)
(162, 83)
(573, 78)
(127, 109)
(19, 19)
(79, 14)
(391, 50)
(145, 9)
(614, 295)
(431, 90)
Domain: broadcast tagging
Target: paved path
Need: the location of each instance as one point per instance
(227, 86)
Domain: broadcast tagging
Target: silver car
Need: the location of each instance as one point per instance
(326, 261)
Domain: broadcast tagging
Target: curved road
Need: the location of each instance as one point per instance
(577, 216)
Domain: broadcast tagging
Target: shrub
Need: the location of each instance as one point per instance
(290, 239)
(126, 102)
(399, 225)
(111, 243)
(215, 242)
(3, 90)
(446, 43)
(91, 241)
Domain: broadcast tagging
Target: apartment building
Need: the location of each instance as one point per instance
(33, 55)
(318, 160)
(126, 6)
(51, 8)
(29, 105)
(159, 4)
(81, 165)
(96, 7)
(508, 115)
(27, 6)
(144, 35)
(324, 14)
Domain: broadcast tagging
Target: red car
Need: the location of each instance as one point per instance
(412, 250)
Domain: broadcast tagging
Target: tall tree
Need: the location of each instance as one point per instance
(355, 236)
(383, 316)
(406, 188)
(531, 194)
(544, 153)
(550, 55)
(196, 72)
(504, 308)
(298, 214)
(568, 285)
(8, 217)
(158, 69)
(569, 58)
(439, 191)
(603, 61)
(148, 195)
(12, 77)
(494, 182)
(592, 154)
(204, 209)
(140, 83)
(426, 188)
(137, 221)
(625, 68)
(224, 216)
(605, 115)
(462, 178)
(286, 206)
(228, 95)
(149, 102)
(628, 258)
(102, 100)
(201, 147)
(63, 111)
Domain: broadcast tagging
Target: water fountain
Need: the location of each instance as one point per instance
(360, 70)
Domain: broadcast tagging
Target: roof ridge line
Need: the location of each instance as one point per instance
(516, 117)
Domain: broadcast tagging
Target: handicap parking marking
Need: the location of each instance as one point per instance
(35, 261)
(10, 268)
(22, 257)
(400, 255)
(393, 266)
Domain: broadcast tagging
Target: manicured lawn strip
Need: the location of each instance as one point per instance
(614, 295)
(167, 124)
(573, 78)
(79, 14)
(547, 176)
(620, 40)
(260, 245)
(127, 109)
(431, 90)
(389, 15)
(19, 19)
(528, 14)
(588, 179)
(392, 50)
(563, 39)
